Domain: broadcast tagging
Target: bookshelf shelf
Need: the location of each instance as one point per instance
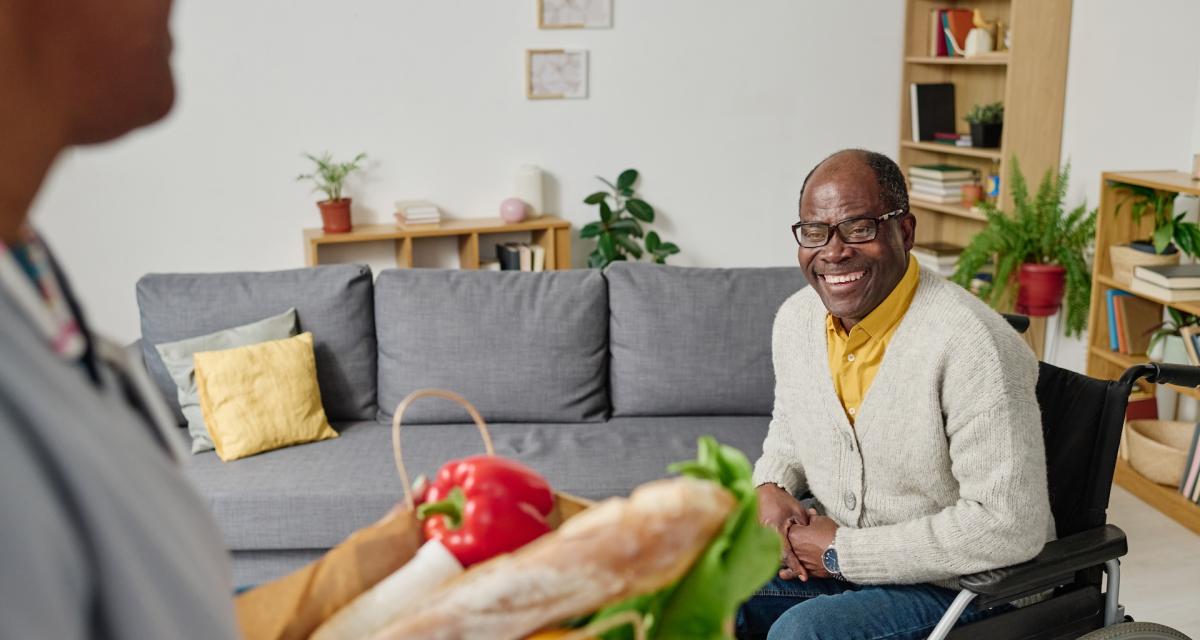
(1112, 229)
(1163, 498)
(971, 152)
(989, 60)
(550, 232)
(950, 209)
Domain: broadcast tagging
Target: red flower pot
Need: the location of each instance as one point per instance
(335, 215)
(1040, 290)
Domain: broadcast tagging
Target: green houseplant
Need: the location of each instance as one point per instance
(987, 124)
(330, 178)
(1040, 246)
(619, 233)
(1170, 233)
(1169, 334)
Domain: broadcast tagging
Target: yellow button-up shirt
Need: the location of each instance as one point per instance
(855, 357)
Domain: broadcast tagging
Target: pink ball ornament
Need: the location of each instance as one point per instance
(513, 210)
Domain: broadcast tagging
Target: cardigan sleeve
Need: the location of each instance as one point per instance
(780, 462)
(1001, 517)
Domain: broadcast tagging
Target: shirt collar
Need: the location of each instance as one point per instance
(889, 312)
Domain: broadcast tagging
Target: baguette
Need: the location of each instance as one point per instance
(616, 550)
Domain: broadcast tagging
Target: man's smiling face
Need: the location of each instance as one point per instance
(852, 279)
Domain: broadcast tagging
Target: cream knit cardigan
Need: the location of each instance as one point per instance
(944, 472)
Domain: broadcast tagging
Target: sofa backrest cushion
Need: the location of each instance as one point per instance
(334, 303)
(690, 341)
(521, 347)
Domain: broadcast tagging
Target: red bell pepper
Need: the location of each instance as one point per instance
(483, 506)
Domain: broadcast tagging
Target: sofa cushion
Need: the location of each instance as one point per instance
(334, 303)
(312, 496)
(521, 347)
(688, 341)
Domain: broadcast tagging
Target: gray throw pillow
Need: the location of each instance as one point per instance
(177, 356)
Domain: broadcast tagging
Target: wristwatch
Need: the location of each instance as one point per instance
(829, 560)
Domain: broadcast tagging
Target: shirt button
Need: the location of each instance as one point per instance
(850, 500)
(850, 357)
(850, 411)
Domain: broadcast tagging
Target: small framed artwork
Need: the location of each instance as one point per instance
(555, 74)
(574, 14)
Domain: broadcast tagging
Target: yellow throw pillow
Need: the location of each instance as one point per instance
(261, 397)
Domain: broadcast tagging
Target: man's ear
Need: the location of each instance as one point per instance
(908, 228)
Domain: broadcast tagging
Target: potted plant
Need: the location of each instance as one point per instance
(619, 231)
(329, 178)
(1171, 233)
(1169, 334)
(987, 124)
(1040, 246)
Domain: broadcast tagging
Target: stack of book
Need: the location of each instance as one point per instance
(1170, 283)
(518, 256)
(1190, 485)
(946, 24)
(941, 257)
(417, 212)
(939, 183)
(1131, 321)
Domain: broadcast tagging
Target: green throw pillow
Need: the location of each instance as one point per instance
(177, 356)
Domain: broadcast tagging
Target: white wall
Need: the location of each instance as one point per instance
(1133, 98)
(722, 105)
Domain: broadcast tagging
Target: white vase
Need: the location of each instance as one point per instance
(530, 189)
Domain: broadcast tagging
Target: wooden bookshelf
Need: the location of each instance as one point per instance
(1030, 79)
(1102, 362)
(550, 232)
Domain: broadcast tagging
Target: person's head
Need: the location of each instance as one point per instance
(91, 70)
(853, 278)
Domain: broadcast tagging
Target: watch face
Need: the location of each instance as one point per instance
(830, 560)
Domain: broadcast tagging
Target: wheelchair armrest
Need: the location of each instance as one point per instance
(1055, 565)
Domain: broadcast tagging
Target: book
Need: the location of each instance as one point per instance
(1172, 276)
(1162, 293)
(539, 257)
(489, 265)
(525, 257)
(1110, 297)
(939, 249)
(941, 172)
(932, 108)
(937, 39)
(1119, 310)
(918, 181)
(1191, 470)
(949, 190)
(918, 196)
(959, 22)
(1142, 317)
(509, 256)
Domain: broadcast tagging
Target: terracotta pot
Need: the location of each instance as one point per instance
(335, 215)
(1040, 290)
(971, 194)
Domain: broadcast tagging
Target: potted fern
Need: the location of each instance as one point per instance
(330, 178)
(1039, 246)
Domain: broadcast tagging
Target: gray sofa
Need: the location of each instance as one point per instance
(596, 380)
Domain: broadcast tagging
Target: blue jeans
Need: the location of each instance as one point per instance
(828, 609)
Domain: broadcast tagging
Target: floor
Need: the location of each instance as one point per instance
(1160, 578)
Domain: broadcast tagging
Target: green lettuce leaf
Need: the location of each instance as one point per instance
(739, 560)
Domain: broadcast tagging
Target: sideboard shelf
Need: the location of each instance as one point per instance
(550, 232)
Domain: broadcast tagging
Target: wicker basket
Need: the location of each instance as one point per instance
(1158, 448)
(1125, 258)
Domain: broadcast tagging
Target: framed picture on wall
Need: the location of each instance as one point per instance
(575, 14)
(555, 74)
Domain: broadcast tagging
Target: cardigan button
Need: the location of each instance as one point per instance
(851, 501)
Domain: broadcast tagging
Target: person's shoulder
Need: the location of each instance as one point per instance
(799, 304)
(966, 323)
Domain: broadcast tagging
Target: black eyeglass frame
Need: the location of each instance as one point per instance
(838, 227)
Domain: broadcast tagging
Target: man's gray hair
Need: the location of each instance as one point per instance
(888, 177)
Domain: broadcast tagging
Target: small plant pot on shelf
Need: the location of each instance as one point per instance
(986, 135)
(1125, 257)
(1040, 290)
(1158, 449)
(335, 215)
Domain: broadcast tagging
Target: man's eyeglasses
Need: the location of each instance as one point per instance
(813, 235)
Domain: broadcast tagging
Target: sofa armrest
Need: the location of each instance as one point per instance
(1054, 566)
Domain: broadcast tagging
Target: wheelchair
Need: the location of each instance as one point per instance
(1082, 418)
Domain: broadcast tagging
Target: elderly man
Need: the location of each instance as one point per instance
(906, 407)
(100, 535)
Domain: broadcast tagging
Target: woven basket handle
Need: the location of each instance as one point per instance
(431, 393)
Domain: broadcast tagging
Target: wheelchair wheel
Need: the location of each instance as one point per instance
(1136, 631)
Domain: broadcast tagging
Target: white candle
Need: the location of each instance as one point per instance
(529, 189)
